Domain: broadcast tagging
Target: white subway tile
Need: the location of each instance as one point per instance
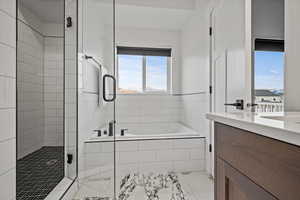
(8, 24)
(192, 165)
(8, 185)
(107, 147)
(164, 155)
(188, 143)
(197, 154)
(126, 146)
(93, 148)
(179, 154)
(7, 155)
(128, 157)
(8, 92)
(8, 58)
(147, 156)
(155, 145)
(160, 167)
(8, 6)
(7, 124)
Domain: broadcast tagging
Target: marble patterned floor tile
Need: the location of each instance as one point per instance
(195, 186)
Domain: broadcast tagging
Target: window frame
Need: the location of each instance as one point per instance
(144, 76)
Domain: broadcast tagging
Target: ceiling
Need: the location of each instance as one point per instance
(51, 11)
(154, 14)
(153, 18)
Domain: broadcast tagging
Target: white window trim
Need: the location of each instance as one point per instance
(144, 76)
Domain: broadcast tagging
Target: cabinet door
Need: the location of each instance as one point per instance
(232, 185)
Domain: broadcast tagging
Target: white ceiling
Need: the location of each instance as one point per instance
(154, 14)
(150, 17)
(51, 11)
(175, 4)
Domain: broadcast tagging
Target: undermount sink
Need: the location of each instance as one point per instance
(293, 119)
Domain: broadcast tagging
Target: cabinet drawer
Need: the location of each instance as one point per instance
(233, 185)
(272, 164)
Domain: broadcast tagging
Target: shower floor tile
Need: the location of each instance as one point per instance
(196, 186)
(39, 172)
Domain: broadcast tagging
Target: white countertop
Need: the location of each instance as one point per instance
(281, 126)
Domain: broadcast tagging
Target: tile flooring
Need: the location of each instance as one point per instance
(39, 172)
(195, 186)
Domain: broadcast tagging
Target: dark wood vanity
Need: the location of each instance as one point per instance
(249, 166)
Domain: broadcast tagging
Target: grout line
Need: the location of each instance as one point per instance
(7, 139)
(7, 108)
(7, 13)
(7, 76)
(7, 171)
(7, 45)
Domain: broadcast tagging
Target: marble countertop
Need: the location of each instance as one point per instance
(280, 126)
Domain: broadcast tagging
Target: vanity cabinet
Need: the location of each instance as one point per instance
(253, 167)
(233, 185)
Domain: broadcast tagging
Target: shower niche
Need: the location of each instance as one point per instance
(46, 131)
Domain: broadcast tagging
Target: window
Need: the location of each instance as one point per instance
(143, 70)
(269, 75)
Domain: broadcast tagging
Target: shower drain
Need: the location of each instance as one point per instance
(51, 162)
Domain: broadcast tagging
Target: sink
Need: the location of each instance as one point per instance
(293, 119)
(279, 118)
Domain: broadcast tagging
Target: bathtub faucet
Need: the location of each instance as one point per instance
(123, 131)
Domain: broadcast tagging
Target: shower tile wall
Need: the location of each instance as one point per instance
(148, 108)
(53, 91)
(30, 90)
(40, 89)
(7, 99)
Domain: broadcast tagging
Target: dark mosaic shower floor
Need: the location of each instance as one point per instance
(39, 172)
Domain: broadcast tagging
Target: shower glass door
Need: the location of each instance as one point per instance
(96, 100)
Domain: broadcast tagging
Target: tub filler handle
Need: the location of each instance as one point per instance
(123, 131)
(111, 128)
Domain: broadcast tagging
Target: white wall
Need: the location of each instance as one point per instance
(268, 19)
(53, 91)
(30, 84)
(195, 72)
(148, 108)
(292, 43)
(8, 99)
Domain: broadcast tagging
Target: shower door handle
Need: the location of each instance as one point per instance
(106, 76)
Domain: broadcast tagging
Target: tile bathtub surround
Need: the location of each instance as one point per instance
(8, 99)
(148, 108)
(146, 156)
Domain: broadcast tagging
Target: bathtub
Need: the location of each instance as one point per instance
(146, 147)
(148, 131)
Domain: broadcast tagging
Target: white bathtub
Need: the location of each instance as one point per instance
(148, 131)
